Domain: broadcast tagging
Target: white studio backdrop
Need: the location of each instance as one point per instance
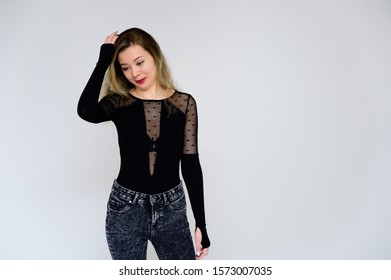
(294, 105)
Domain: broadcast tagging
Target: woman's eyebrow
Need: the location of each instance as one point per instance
(134, 60)
(137, 58)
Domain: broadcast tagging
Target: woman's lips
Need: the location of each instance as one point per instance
(141, 81)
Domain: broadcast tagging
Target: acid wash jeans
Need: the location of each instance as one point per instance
(133, 218)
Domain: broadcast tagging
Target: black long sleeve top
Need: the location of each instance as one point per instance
(155, 137)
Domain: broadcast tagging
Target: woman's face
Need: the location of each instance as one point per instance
(138, 67)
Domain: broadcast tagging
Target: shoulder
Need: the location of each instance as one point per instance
(183, 96)
(182, 101)
(118, 100)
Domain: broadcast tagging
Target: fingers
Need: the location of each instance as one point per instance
(198, 239)
(110, 39)
(202, 254)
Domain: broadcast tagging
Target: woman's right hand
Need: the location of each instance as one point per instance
(111, 38)
(200, 252)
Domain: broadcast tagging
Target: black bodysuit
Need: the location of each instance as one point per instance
(154, 137)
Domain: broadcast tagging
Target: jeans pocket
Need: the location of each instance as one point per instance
(118, 202)
(178, 204)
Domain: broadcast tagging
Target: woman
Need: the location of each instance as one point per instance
(157, 132)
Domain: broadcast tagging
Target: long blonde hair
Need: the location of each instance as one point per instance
(116, 81)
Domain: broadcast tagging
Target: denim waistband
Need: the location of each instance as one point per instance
(148, 199)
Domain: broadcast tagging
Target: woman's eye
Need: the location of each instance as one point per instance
(125, 69)
(140, 63)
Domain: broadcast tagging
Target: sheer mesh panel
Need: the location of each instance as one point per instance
(188, 106)
(180, 101)
(152, 112)
(191, 126)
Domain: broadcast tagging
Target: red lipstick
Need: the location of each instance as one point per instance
(141, 81)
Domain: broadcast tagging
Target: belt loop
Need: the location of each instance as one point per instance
(134, 200)
(165, 200)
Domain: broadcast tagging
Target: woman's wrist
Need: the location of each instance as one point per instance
(106, 54)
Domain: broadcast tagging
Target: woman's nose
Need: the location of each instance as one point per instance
(135, 73)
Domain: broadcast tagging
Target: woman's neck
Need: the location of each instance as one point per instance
(153, 93)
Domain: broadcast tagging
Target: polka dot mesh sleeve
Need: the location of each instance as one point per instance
(191, 128)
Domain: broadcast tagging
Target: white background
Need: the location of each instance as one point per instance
(294, 103)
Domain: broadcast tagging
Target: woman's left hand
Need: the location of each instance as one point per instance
(200, 252)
